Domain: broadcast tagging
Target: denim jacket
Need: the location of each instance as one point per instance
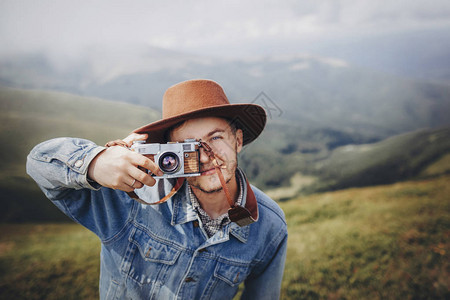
(161, 251)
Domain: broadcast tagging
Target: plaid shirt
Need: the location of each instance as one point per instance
(210, 225)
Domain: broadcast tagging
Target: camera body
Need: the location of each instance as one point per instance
(174, 159)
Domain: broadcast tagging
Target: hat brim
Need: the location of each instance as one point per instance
(251, 118)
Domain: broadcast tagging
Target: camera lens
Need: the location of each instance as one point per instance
(168, 162)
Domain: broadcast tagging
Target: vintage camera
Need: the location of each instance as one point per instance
(174, 159)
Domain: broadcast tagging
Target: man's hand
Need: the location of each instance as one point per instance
(118, 168)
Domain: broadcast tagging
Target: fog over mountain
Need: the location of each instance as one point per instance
(336, 78)
(372, 68)
(300, 90)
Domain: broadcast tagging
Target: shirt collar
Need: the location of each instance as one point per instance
(210, 225)
(184, 212)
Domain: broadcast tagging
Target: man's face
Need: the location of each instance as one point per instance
(225, 143)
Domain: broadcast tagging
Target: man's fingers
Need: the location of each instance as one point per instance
(142, 165)
(136, 184)
(142, 177)
(118, 167)
(149, 164)
(135, 137)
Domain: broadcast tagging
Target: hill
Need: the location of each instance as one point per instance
(385, 242)
(304, 162)
(397, 158)
(310, 160)
(30, 117)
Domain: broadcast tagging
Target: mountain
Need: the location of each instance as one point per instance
(314, 159)
(323, 160)
(422, 54)
(303, 90)
(321, 112)
(410, 155)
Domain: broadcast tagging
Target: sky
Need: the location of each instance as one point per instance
(213, 28)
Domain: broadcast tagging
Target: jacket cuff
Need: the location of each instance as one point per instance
(80, 165)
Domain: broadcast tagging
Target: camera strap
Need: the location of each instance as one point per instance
(242, 216)
(175, 188)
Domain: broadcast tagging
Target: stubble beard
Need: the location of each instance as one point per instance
(211, 191)
(194, 182)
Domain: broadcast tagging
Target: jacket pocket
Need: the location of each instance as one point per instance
(148, 258)
(231, 273)
(228, 275)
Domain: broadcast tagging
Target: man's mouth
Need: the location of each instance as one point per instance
(208, 171)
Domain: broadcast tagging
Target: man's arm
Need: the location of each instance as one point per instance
(61, 167)
(69, 163)
(61, 164)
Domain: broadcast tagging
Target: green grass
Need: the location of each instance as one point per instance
(385, 242)
(48, 261)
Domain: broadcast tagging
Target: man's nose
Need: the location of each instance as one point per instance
(204, 157)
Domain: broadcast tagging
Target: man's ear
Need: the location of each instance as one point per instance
(239, 140)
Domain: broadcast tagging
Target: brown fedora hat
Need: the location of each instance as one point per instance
(204, 98)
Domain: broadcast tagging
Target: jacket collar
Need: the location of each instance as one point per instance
(183, 211)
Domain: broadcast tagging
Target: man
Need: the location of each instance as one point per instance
(186, 247)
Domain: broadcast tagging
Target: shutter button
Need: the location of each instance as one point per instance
(78, 163)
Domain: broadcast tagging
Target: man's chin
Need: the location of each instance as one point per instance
(207, 187)
(209, 191)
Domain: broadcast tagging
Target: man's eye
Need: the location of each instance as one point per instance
(215, 138)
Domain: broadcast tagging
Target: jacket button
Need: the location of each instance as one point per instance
(78, 163)
(195, 223)
(189, 279)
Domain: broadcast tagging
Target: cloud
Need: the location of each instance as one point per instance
(196, 26)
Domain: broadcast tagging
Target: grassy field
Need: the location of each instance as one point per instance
(385, 242)
(48, 261)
